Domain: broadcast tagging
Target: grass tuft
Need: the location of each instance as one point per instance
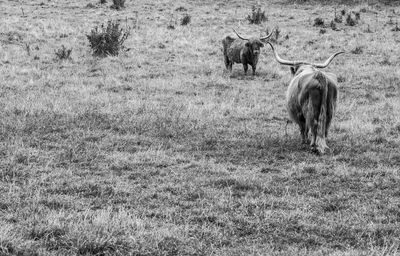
(318, 22)
(63, 53)
(185, 20)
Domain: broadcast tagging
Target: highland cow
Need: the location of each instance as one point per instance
(311, 99)
(242, 50)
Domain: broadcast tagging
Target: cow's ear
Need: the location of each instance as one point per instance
(247, 44)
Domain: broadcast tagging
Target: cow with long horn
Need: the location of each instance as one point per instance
(311, 98)
(242, 50)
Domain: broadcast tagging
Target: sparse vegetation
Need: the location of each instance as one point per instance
(118, 4)
(318, 22)
(396, 28)
(257, 16)
(338, 18)
(333, 26)
(357, 50)
(158, 151)
(63, 53)
(350, 21)
(185, 20)
(108, 39)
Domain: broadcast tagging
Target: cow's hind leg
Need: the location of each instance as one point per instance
(303, 131)
(313, 115)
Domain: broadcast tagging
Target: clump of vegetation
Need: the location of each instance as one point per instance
(257, 16)
(318, 22)
(63, 53)
(343, 12)
(108, 40)
(333, 26)
(338, 18)
(90, 5)
(103, 1)
(357, 50)
(118, 4)
(350, 21)
(322, 31)
(396, 28)
(185, 20)
(181, 9)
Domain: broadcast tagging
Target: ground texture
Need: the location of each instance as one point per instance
(160, 151)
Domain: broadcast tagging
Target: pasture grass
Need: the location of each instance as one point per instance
(160, 151)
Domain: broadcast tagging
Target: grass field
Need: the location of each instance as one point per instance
(160, 151)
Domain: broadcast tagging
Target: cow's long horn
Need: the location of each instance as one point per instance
(328, 61)
(240, 36)
(285, 62)
(268, 36)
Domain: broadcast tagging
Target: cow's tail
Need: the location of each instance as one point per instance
(320, 141)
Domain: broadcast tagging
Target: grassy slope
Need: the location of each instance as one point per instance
(160, 152)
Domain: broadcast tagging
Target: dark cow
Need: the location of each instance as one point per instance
(311, 99)
(242, 50)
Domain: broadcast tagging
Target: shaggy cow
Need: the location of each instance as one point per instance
(311, 99)
(242, 50)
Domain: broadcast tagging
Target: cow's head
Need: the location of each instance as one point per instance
(297, 67)
(254, 43)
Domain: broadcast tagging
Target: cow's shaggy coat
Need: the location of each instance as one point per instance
(311, 100)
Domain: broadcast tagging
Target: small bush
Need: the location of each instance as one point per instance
(343, 12)
(118, 4)
(63, 53)
(90, 5)
(318, 22)
(357, 50)
(357, 15)
(107, 40)
(185, 20)
(350, 21)
(103, 1)
(181, 9)
(322, 31)
(257, 16)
